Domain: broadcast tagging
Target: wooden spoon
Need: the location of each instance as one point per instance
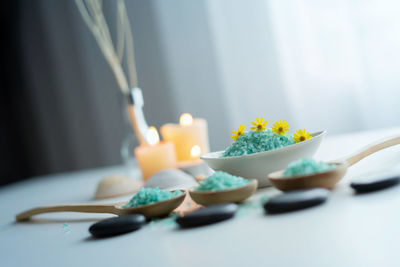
(238, 194)
(152, 210)
(329, 179)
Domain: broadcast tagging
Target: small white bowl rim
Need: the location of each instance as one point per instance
(216, 155)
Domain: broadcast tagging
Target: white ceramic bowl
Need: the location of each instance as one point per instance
(259, 165)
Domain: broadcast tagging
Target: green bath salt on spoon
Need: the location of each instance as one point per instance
(146, 196)
(221, 181)
(306, 166)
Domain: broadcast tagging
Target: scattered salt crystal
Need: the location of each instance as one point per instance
(66, 228)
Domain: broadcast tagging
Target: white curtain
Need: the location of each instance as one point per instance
(341, 60)
(331, 65)
(319, 64)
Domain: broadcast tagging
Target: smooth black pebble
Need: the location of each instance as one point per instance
(375, 181)
(117, 225)
(208, 215)
(295, 200)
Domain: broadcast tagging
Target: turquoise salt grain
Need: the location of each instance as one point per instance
(306, 166)
(221, 181)
(255, 142)
(147, 196)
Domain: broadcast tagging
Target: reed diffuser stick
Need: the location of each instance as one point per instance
(92, 13)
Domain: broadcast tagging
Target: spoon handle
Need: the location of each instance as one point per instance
(91, 208)
(372, 148)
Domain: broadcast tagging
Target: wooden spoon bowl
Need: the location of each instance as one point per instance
(235, 195)
(327, 179)
(157, 209)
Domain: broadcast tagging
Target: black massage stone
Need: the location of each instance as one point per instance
(207, 215)
(117, 225)
(295, 200)
(374, 182)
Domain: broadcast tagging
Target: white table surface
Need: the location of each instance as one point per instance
(348, 230)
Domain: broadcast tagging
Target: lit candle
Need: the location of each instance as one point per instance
(188, 135)
(155, 156)
(195, 166)
(195, 152)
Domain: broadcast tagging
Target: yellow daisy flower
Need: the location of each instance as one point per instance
(301, 135)
(239, 132)
(259, 125)
(280, 127)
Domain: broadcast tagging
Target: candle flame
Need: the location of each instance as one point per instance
(195, 151)
(152, 136)
(186, 119)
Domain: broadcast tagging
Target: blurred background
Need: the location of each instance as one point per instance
(331, 65)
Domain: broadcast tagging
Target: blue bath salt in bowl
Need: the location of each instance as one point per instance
(255, 142)
(306, 166)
